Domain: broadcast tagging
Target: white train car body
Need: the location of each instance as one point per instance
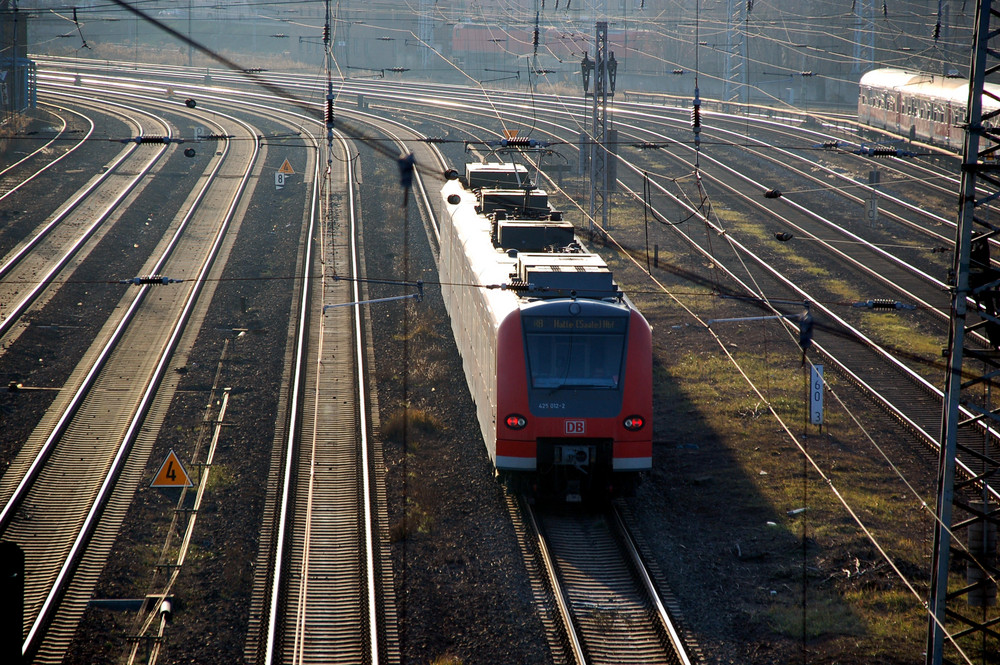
(921, 106)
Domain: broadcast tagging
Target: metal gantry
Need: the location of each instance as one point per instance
(864, 36)
(603, 69)
(738, 14)
(961, 607)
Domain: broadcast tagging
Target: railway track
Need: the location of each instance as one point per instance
(910, 397)
(88, 439)
(307, 611)
(921, 415)
(326, 587)
(28, 268)
(607, 607)
(69, 135)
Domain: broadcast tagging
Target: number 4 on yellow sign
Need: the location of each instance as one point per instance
(171, 473)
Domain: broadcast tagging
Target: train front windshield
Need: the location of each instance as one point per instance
(577, 353)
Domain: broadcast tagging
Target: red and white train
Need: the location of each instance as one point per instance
(557, 360)
(926, 107)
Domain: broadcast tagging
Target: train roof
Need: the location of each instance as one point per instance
(527, 274)
(955, 90)
(505, 174)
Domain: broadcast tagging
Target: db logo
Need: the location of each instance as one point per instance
(576, 426)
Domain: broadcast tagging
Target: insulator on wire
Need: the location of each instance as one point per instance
(878, 151)
(328, 111)
(150, 279)
(696, 119)
(883, 304)
(152, 139)
(519, 142)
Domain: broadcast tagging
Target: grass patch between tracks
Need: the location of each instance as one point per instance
(802, 542)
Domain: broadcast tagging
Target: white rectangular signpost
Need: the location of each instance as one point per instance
(816, 395)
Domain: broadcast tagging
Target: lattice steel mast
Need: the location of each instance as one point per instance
(603, 68)
(967, 509)
(736, 51)
(864, 36)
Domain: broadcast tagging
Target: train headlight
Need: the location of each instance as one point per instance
(634, 423)
(515, 421)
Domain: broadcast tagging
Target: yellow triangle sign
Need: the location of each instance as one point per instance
(286, 168)
(171, 473)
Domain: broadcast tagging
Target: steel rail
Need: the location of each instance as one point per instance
(366, 471)
(613, 608)
(6, 513)
(144, 403)
(562, 604)
(107, 484)
(42, 281)
(857, 333)
(647, 580)
(877, 350)
(14, 258)
(291, 434)
(43, 148)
